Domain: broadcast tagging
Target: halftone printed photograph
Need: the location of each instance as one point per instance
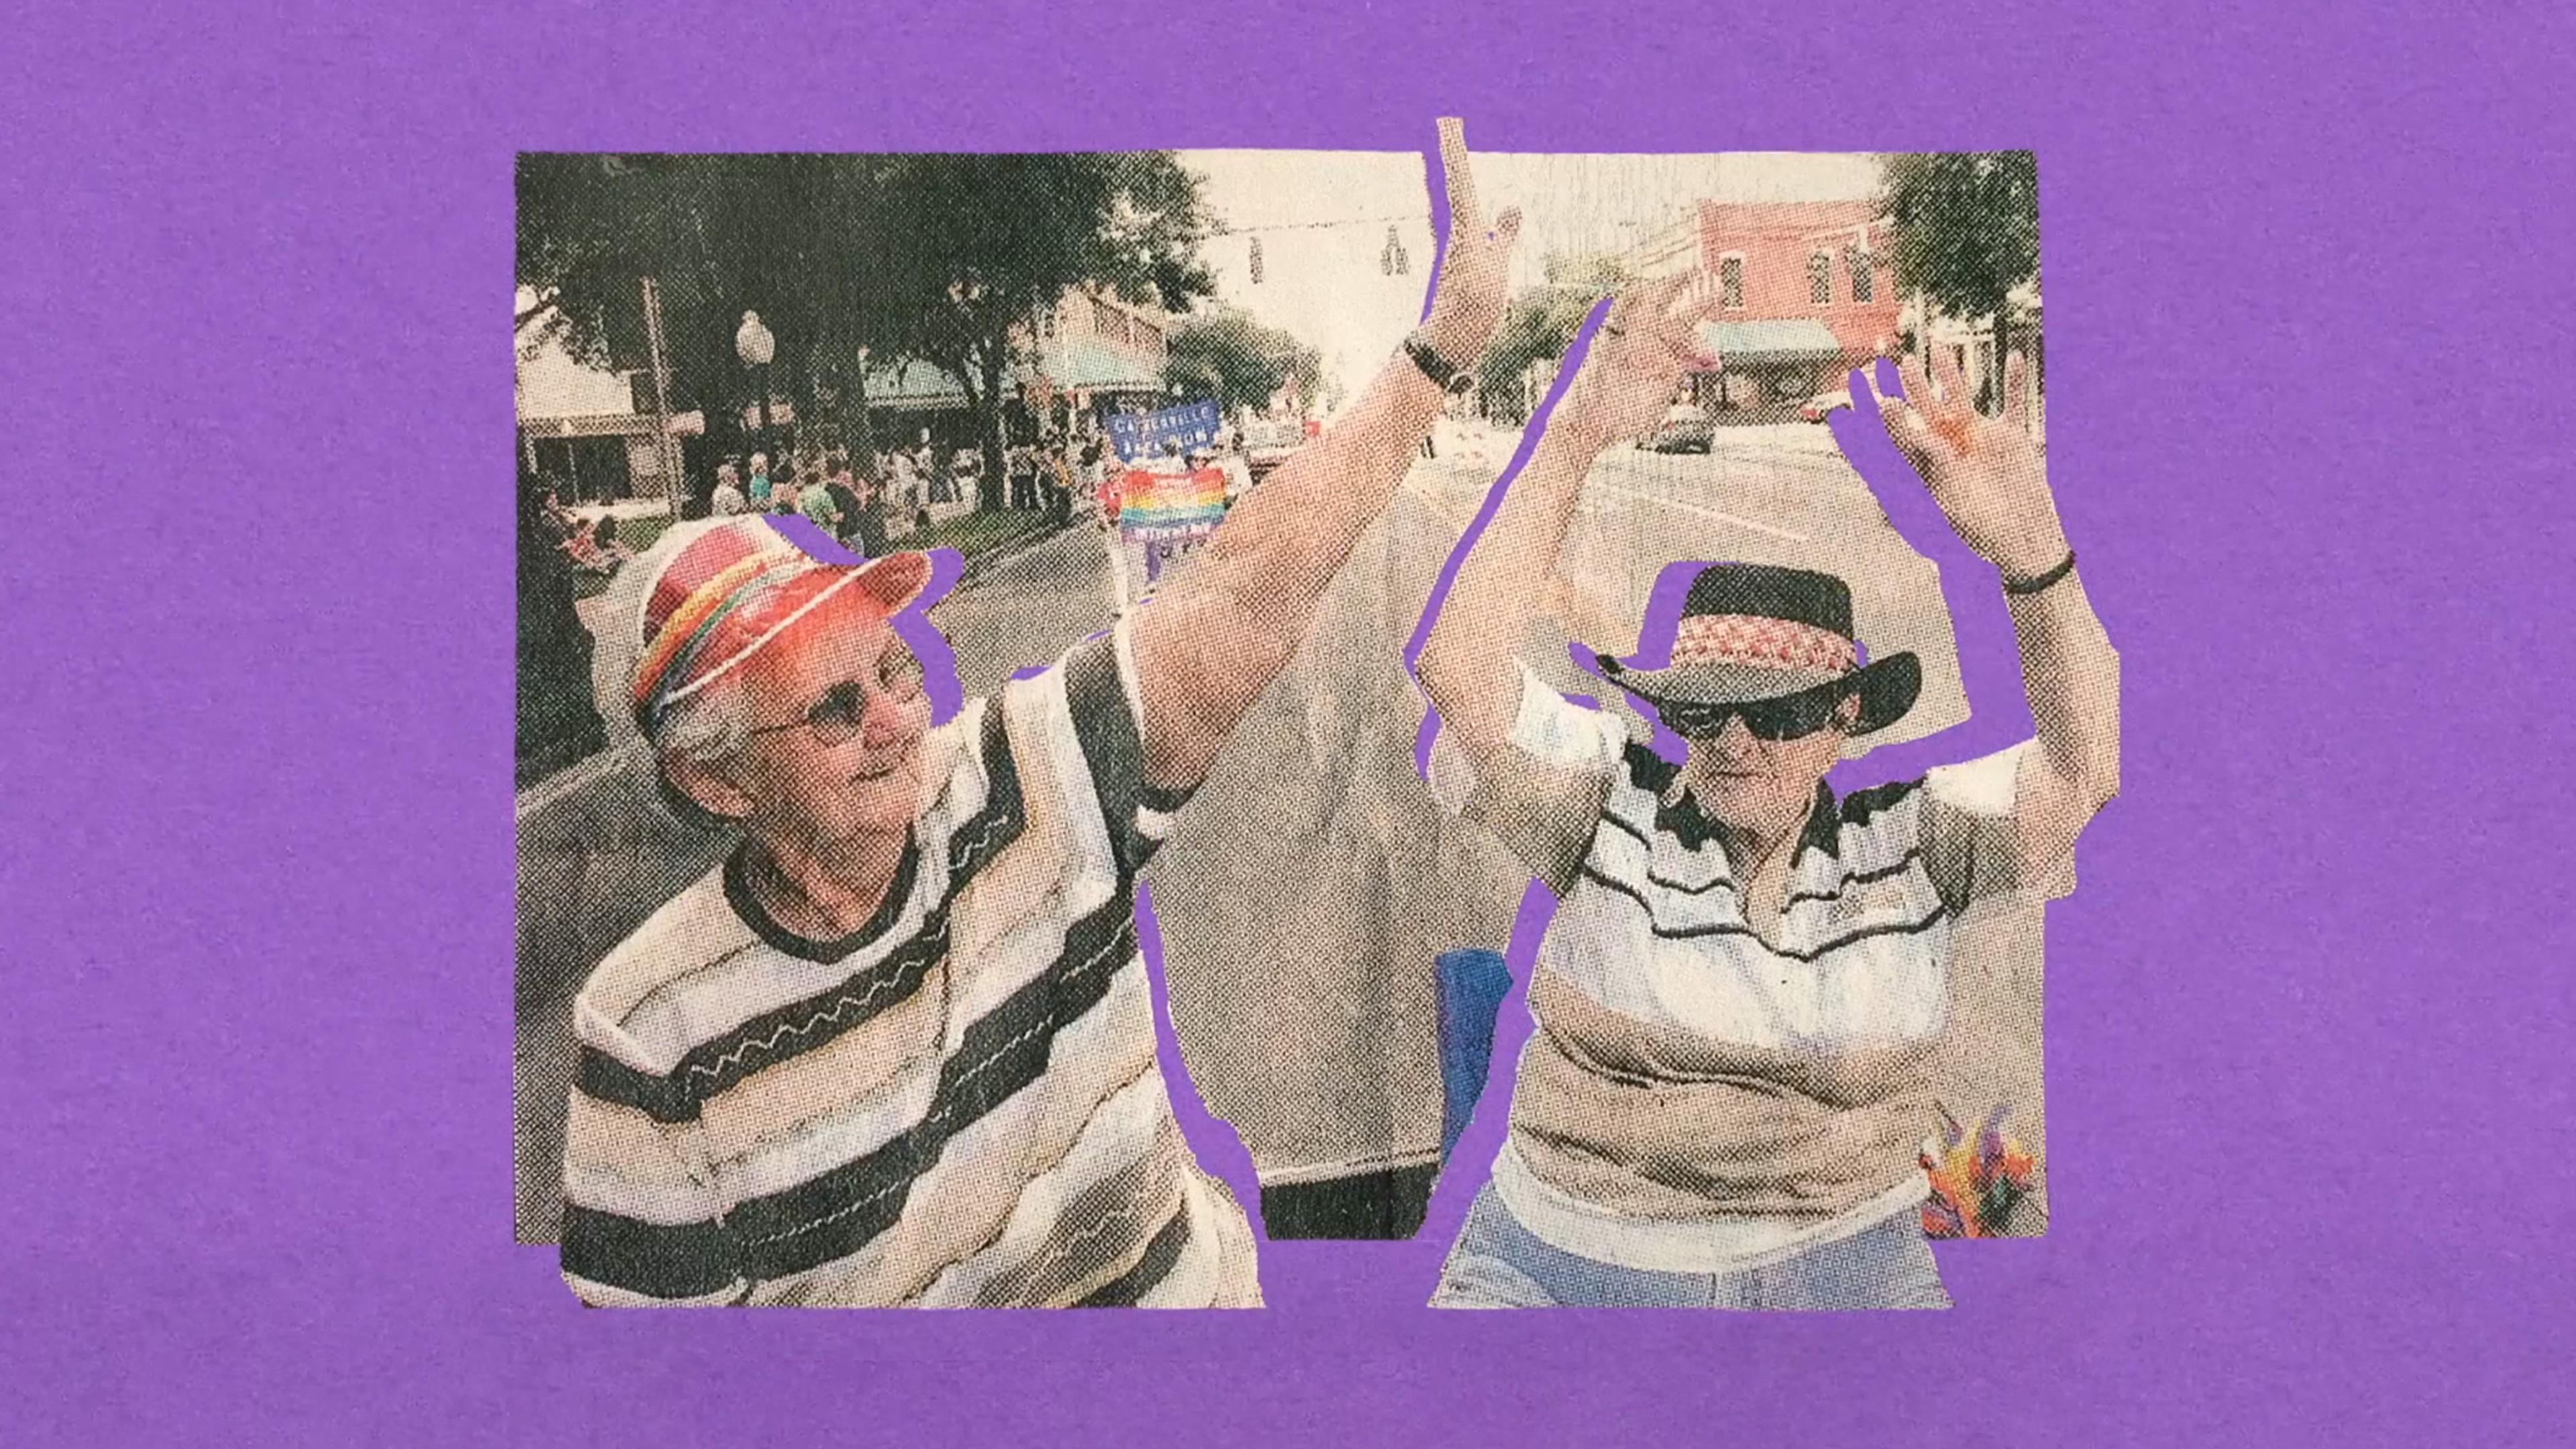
(1082, 714)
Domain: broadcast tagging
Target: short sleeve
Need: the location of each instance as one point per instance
(641, 1227)
(1545, 792)
(1971, 831)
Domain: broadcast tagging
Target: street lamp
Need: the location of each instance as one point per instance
(755, 346)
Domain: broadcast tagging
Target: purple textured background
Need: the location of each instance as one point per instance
(2308, 1017)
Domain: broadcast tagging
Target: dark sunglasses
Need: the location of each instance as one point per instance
(1790, 717)
(838, 715)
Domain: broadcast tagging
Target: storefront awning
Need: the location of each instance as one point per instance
(1071, 364)
(1796, 339)
(914, 385)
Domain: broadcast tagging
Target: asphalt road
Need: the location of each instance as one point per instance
(1028, 609)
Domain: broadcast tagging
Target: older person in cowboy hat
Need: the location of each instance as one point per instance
(1747, 977)
(898, 1048)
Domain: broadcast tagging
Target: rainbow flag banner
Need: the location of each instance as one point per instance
(1160, 507)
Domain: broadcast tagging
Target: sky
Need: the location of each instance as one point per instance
(1323, 283)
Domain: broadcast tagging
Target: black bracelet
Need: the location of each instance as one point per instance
(1444, 374)
(2024, 588)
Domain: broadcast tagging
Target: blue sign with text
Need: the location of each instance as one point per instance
(1139, 437)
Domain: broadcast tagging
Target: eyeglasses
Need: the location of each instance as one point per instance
(837, 717)
(1789, 717)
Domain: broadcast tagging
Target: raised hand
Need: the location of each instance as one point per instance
(1985, 473)
(1475, 264)
(1646, 344)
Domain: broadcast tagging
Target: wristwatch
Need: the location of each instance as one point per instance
(1457, 381)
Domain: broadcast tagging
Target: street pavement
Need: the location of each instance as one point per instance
(1028, 609)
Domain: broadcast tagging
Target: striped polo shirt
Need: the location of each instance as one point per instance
(958, 1105)
(1699, 1097)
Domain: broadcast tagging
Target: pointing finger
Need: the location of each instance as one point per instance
(1639, 304)
(1657, 294)
(1690, 313)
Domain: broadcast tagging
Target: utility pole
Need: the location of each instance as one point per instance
(665, 447)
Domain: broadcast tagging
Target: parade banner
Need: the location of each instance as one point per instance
(1165, 507)
(1139, 437)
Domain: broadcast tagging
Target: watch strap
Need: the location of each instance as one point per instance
(1444, 374)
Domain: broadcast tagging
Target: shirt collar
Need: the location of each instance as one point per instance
(1677, 810)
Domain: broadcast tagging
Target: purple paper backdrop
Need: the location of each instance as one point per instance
(2308, 1021)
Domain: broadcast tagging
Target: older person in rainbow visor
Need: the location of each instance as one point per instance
(898, 1048)
(1747, 978)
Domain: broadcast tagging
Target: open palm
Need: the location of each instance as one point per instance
(1646, 344)
(1475, 262)
(1984, 473)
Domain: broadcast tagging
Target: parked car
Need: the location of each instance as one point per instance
(1815, 408)
(1267, 444)
(1684, 429)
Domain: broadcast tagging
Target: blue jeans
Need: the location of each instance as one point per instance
(1497, 1263)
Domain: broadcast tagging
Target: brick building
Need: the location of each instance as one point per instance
(1802, 292)
(1806, 296)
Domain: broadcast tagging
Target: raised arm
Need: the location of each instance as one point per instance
(1211, 643)
(1468, 664)
(1992, 485)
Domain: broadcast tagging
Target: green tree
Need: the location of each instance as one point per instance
(992, 239)
(1965, 230)
(852, 261)
(724, 235)
(1226, 355)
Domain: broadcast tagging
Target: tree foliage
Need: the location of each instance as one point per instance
(992, 239)
(852, 261)
(1965, 229)
(1226, 355)
(1540, 323)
